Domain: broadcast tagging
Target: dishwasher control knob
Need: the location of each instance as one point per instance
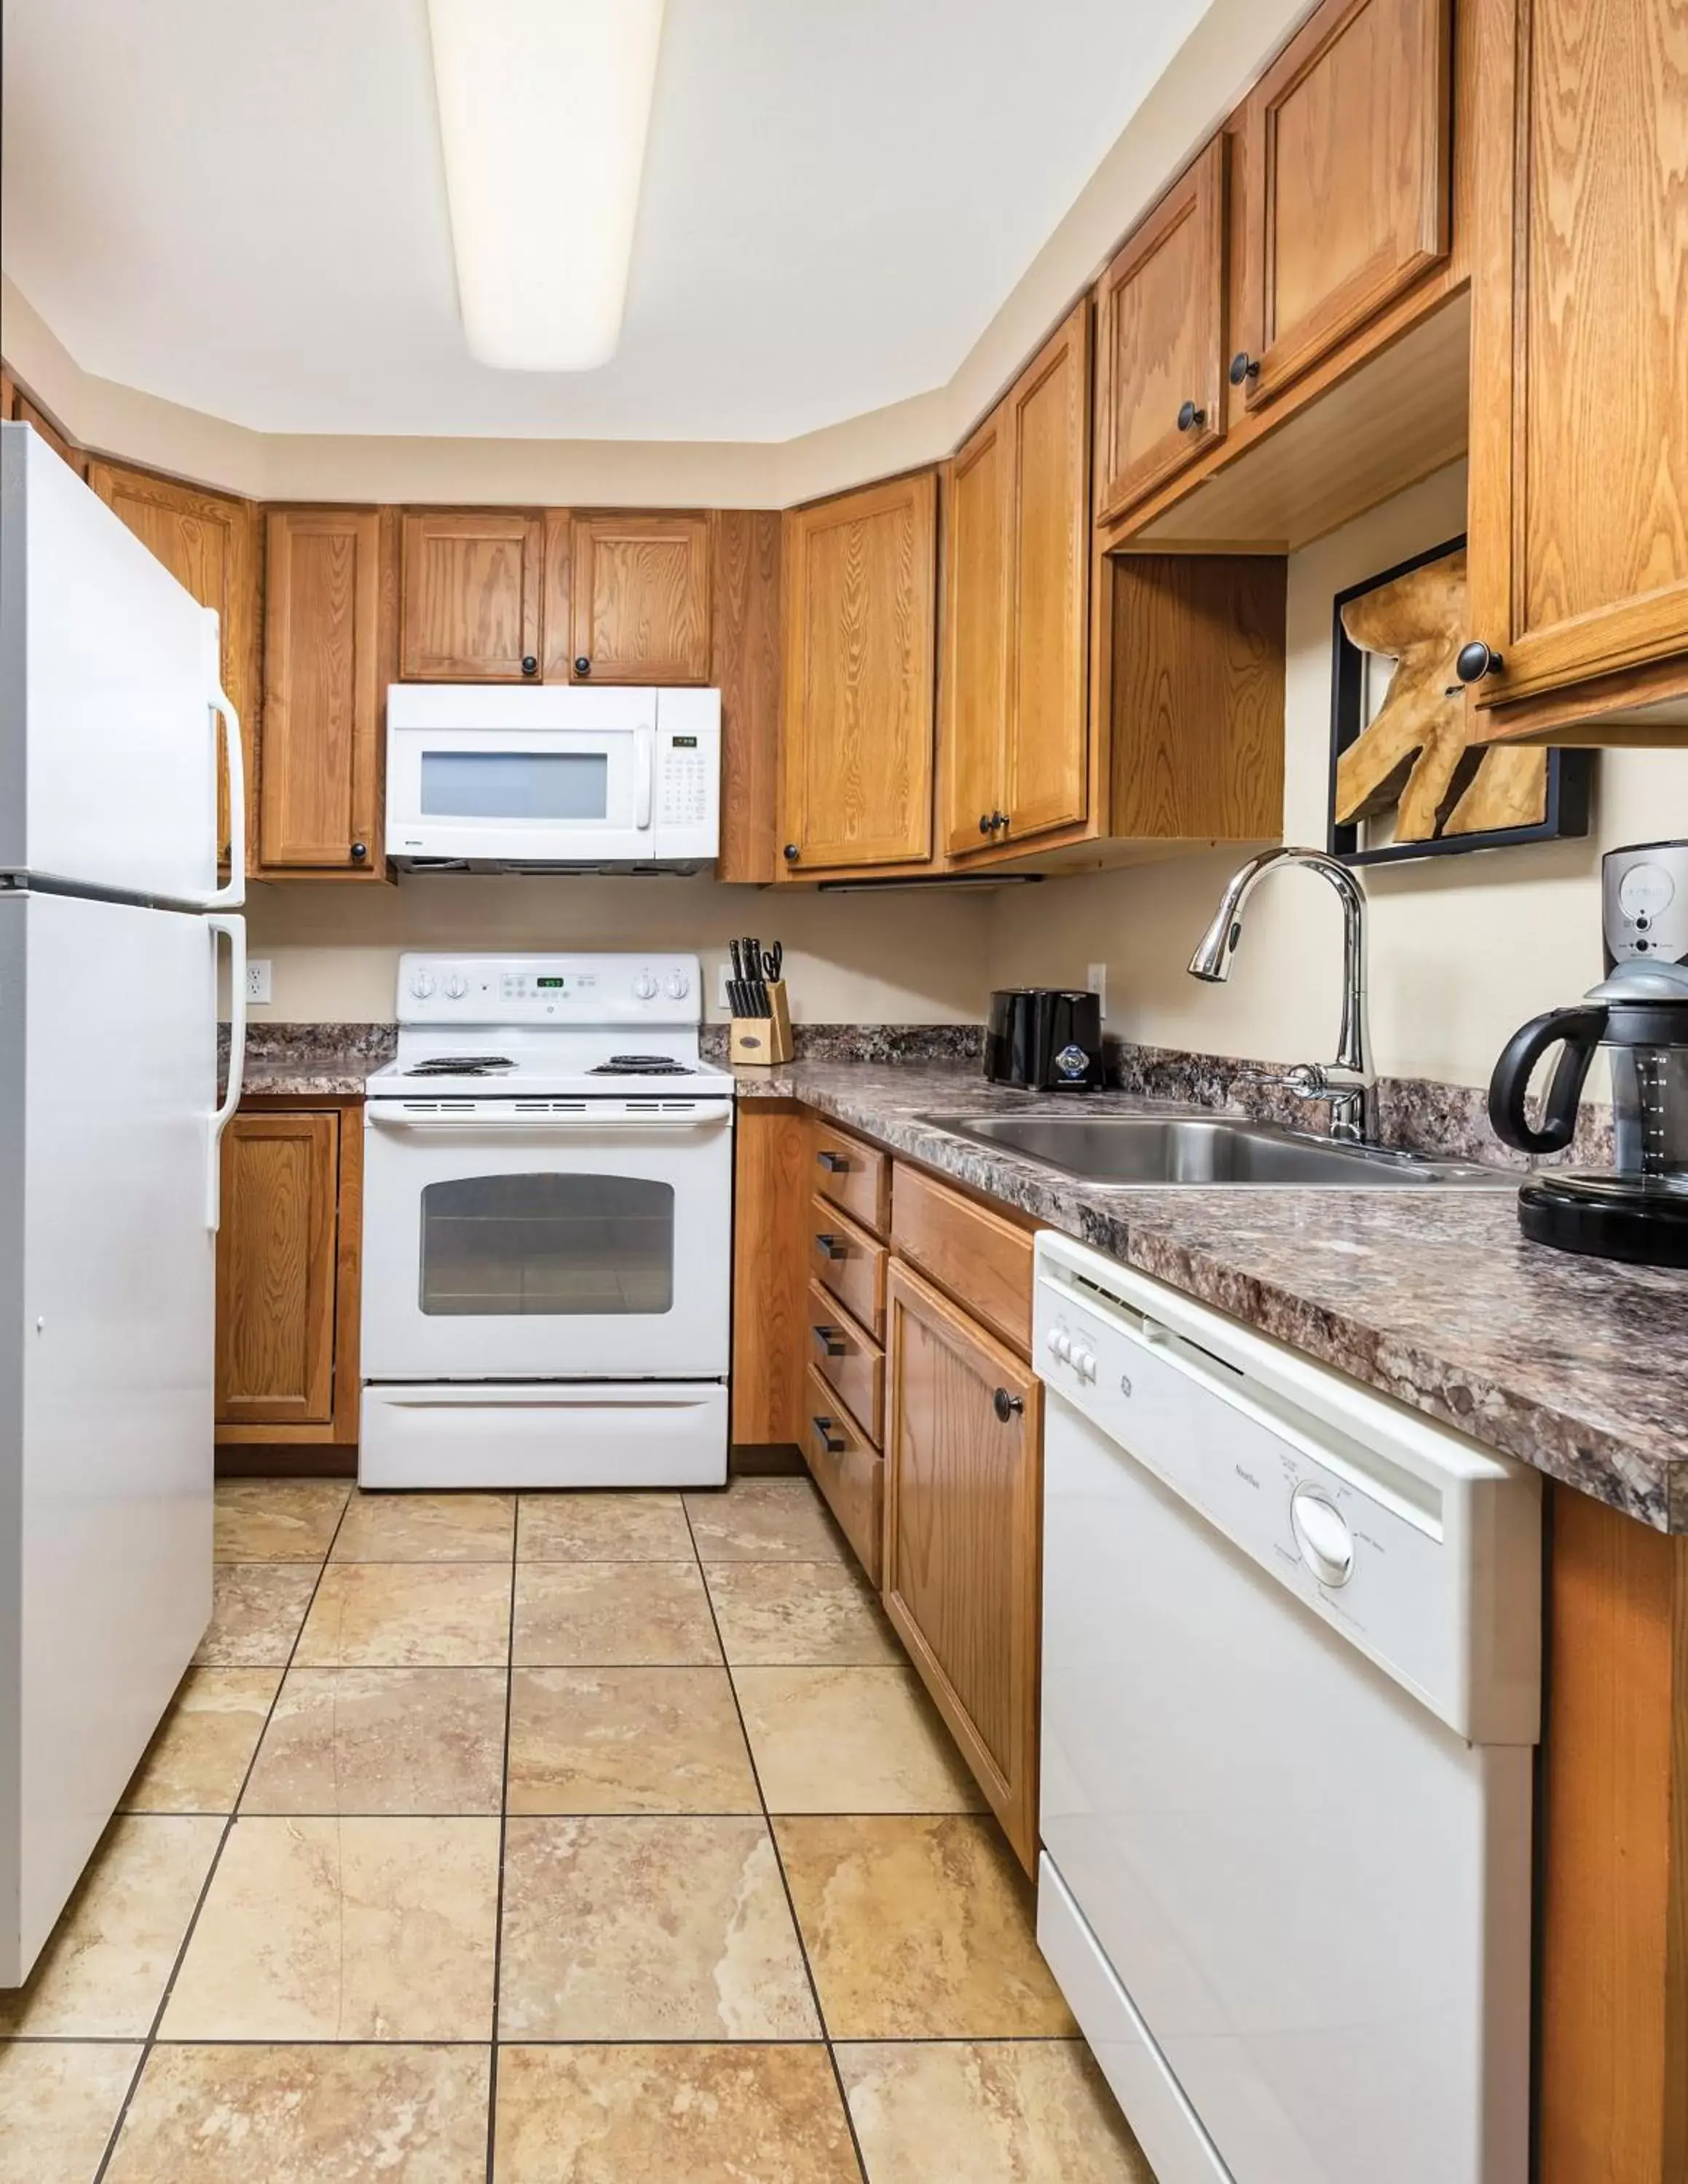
(1059, 1345)
(645, 987)
(679, 985)
(1084, 1364)
(457, 985)
(1321, 1533)
(422, 983)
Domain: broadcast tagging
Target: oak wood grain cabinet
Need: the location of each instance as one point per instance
(962, 1537)
(636, 604)
(15, 404)
(973, 681)
(1161, 340)
(745, 665)
(210, 543)
(770, 1278)
(1578, 478)
(860, 626)
(328, 596)
(470, 595)
(288, 1252)
(1345, 182)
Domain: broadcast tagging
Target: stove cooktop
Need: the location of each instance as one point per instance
(460, 1065)
(642, 1065)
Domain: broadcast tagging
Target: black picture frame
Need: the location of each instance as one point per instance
(1570, 773)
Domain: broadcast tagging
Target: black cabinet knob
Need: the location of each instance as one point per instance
(792, 853)
(1476, 660)
(999, 819)
(530, 666)
(1244, 366)
(583, 666)
(1006, 1405)
(988, 820)
(360, 851)
(1190, 416)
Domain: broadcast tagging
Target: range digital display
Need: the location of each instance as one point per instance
(550, 982)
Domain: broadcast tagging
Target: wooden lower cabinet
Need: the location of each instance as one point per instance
(964, 1537)
(849, 1471)
(770, 1279)
(287, 1275)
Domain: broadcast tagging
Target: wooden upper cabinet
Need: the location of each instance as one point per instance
(1161, 340)
(469, 595)
(1347, 181)
(1578, 480)
(1046, 769)
(975, 608)
(275, 1269)
(861, 643)
(963, 1538)
(15, 402)
(209, 543)
(324, 673)
(638, 600)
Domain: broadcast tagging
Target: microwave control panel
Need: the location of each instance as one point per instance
(687, 763)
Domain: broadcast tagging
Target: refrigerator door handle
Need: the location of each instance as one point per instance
(234, 930)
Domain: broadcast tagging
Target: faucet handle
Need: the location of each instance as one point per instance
(1306, 1077)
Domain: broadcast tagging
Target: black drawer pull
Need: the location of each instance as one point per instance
(831, 1340)
(834, 1247)
(824, 1427)
(1006, 1405)
(834, 1163)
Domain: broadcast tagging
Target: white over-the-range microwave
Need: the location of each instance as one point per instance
(494, 778)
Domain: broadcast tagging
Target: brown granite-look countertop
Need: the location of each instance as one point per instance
(1577, 1366)
(309, 1061)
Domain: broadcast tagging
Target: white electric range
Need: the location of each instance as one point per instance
(547, 1253)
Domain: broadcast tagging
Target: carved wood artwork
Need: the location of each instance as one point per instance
(1415, 756)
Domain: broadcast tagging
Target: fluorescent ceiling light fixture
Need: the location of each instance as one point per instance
(544, 106)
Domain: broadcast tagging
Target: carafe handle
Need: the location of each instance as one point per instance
(1580, 1030)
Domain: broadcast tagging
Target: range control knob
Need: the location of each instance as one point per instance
(645, 987)
(679, 985)
(457, 985)
(1321, 1533)
(422, 983)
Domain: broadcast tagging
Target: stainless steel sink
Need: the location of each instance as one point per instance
(1152, 1151)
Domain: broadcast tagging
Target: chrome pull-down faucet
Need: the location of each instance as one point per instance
(1349, 1083)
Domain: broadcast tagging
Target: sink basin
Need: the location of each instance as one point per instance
(1153, 1150)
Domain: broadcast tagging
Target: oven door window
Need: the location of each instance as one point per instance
(458, 784)
(547, 1245)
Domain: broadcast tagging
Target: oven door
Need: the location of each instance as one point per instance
(534, 1239)
(462, 783)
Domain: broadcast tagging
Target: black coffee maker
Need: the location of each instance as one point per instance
(1638, 1209)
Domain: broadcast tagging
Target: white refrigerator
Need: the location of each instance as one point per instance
(113, 727)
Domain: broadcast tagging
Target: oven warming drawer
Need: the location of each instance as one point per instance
(512, 1435)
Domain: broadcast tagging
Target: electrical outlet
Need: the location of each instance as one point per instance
(257, 978)
(723, 1002)
(1096, 978)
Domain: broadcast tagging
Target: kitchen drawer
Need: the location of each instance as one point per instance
(848, 1263)
(848, 1359)
(849, 1471)
(982, 1260)
(852, 1175)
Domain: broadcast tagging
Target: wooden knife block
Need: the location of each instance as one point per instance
(762, 1042)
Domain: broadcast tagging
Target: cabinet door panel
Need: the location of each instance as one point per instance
(975, 635)
(1579, 532)
(640, 587)
(209, 544)
(1351, 169)
(324, 677)
(861, 638)
(470, 596)
(1161, 340)
(275, 1270)
(963, 1538)
(1047, 768)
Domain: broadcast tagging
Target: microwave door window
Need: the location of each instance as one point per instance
(547, 1245)
(536, 785)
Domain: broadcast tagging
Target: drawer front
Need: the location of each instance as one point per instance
(852, 1175)
(982, 1260)
(849, 1471)
(849, 1264)
(849, 1361)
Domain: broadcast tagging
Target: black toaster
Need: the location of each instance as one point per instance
(1044, 1039)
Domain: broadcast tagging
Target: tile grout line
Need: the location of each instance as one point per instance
(150, 2040)
(503, 1834)
(778, 1860)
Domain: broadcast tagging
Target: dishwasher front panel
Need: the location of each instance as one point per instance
(1314, 1893)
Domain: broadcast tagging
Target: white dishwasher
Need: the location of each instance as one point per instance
(1291, 1694)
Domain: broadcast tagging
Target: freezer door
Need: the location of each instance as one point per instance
(108, 738)
(107, 1080)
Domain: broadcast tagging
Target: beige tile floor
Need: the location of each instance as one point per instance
(597, 1839)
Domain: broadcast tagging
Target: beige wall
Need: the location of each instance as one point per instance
(849, 958)
(1462, 949)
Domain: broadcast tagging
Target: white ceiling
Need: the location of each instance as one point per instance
(238, 204)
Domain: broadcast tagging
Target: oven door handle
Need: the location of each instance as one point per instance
(704, 1118)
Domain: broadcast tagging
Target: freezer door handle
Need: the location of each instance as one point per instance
(232, 895)
(234, 929)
